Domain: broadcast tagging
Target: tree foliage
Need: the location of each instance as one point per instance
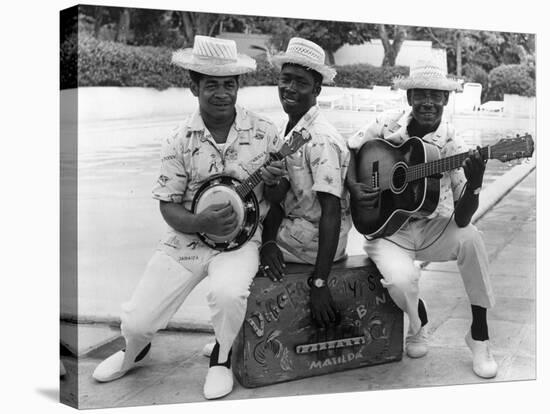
(478, 47)
(510, 79)
(471, 54)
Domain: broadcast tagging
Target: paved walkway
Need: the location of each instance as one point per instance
(177, 371)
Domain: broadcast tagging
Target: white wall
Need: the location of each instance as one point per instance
(373, 53)
(114, 103)
(521, 106)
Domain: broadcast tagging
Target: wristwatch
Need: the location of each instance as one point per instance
(318, 282)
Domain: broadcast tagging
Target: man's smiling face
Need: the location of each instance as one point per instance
(217, 95)
(427, 106)
(297, 89)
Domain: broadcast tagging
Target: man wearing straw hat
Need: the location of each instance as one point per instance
(428, 90)
(220, 137)
(314, 224)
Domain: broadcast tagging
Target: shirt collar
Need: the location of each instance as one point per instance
(305, 121)
(437, 137)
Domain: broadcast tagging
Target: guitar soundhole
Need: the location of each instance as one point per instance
(399, 178)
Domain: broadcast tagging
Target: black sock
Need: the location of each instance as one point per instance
(143, 352)
(422, 314)
(479, 329)
(215, 354)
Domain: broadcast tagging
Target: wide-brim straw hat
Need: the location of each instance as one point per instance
(308, 54)
(427, 74)
(214, 57)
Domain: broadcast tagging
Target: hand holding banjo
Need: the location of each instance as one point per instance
(221, 233)
(219, 219)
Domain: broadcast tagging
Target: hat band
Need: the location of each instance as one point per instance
(305, 58)
(302, 51)
(213, 59)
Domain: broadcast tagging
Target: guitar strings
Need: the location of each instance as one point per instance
(504, 148)
(420, 170)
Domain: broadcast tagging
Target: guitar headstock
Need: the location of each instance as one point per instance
(507, 149)
(297, 140)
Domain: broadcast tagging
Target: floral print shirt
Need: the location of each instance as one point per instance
(319, 166)
(190, 156)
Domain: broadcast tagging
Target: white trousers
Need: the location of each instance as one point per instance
(401, 276)
(166, 284)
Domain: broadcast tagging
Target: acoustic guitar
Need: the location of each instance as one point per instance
(222, 188)
(408, 178)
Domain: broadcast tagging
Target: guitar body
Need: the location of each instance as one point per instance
(220, 189)
(384, 165)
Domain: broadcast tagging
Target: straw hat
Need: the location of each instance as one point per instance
(427, 74)
(214, 57)
(305, 53)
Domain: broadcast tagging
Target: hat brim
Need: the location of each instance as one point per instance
(213, 66)
(326, 72)
(442, 84)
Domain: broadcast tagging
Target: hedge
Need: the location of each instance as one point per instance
(114, 64)
(367, 76)
(511, 79)
(103, 63)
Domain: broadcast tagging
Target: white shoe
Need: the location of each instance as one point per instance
(207, 350)
(484, 364)
(111, 368)
(62, 370)
(417, 345)
(219, 382)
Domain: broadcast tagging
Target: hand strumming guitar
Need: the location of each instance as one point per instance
(362, 196)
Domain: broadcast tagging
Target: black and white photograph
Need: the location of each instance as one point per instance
(271, 206)
(266, 202)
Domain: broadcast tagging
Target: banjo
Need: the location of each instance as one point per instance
(221, 188)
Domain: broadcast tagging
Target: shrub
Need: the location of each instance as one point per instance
(106, 63)
(367, 76)
(265, 74)
(68, 62)
(510, 79)
(115, 64)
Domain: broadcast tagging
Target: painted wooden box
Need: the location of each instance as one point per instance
(278, 341)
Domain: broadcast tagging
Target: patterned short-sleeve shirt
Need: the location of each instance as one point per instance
(190, 156)
(393, 127)
(319, 166)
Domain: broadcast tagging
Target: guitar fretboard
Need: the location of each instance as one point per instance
(419, 171)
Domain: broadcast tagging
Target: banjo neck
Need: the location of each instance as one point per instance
(255, 178)
(296, 140)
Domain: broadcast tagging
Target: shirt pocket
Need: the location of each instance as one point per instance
(205, 162)
(299, 232)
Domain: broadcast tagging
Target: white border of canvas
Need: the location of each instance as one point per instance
(30, 208)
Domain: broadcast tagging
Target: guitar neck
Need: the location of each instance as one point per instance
(439, 166)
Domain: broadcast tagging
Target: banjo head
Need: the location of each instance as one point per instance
(220, 190)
